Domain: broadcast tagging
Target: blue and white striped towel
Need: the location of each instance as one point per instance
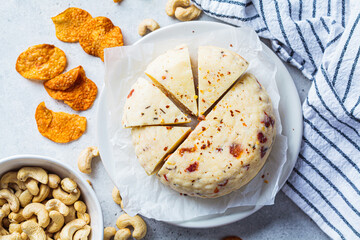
(322, 39)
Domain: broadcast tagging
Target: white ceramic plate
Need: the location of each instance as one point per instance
(289, 108)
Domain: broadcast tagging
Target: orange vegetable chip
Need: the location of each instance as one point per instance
(68, 24)
(92, 31)
(113, 38)
(99, 33)
(59, 127)
(65, 80)
(80, 96)
(41, 62)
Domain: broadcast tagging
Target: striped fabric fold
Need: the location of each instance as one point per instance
(321, 39)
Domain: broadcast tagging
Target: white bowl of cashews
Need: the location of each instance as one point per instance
(51, 166)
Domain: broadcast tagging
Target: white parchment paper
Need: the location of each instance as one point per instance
(145, 194)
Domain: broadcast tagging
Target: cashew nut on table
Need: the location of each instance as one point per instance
(109, 232)
(147, 25)
(187, 14)
(182, 10)
(116, 197)
(124, 233)
(136, 222)
(35, 205)
(85, 158)
(171, 6)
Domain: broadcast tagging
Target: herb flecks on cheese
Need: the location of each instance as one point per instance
(172, 72)
(227, 148)
(218, 69)
(152, 144)
(147, 105)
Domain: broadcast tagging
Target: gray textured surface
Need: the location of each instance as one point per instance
(25, 23)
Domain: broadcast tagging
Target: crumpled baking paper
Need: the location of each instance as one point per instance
(145, 195)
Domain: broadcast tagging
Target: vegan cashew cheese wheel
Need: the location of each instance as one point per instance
(218, 69)
(152, 144)
(227, 149)
(147, 105)
(172, 72)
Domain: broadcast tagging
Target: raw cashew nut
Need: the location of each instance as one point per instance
(80, 206)
(3, 214)
(16, 217)
(56, 204)
(32, 186)
(187, 14)
(147, 25)
(67, 198)
(11, 199)
(85, 157)
(109, 232)
(116, 197)
(13, 236)
(25, 198)
(123, 234)
(40, 211)
(33, 218)
(69, 185)
(136, 222)
(15, 227)
(6, 209)
(70, 228)
(24, 236)
(83, 233)
(54, 180)
(43, 194)
(72, 214)
(84, 216)
(57, 221)
(11, 177)
(171, 6)
(33, 230)
(36, 173)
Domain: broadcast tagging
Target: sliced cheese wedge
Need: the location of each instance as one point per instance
(218, 69)
(172, 72)
(152, 144)
(147, 105)
(227, 149)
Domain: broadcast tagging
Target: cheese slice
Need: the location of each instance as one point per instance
(172, 72)
(152, 144)
(218, 69)
(147, 105)
(227, 149)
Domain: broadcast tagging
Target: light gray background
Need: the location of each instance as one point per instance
(26, 23)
